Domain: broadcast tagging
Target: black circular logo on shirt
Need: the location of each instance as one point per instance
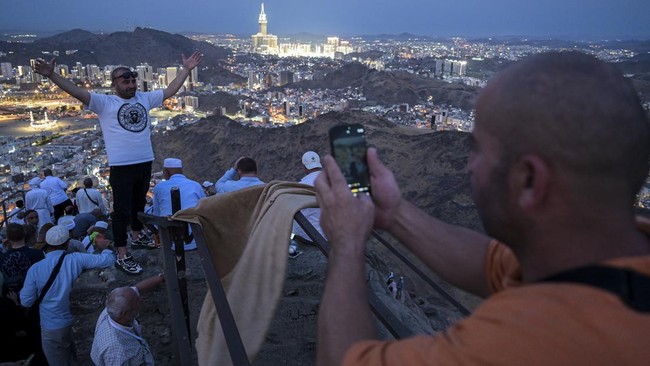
(132, 117)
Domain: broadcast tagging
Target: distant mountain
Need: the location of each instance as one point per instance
(395, 87)
(158, 48)
(399, 37)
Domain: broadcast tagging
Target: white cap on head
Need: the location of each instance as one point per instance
(67, 221)
(311, 160)
(172, 163)
(57, 235)
(207, 184)
(35, 182)
(101, 224)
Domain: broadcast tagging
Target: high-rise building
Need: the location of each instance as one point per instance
(145, 76)
(172, 72)
(286, 77)
(253, 79)
(262, 41)
(63, 70)
(6, 70)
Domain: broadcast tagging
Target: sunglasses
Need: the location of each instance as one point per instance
(127, 74)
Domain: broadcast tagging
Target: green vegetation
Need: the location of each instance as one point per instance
(46, 140)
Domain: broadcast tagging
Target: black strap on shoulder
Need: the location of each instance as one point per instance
(91, 200)
(50, 280)
(631, 287)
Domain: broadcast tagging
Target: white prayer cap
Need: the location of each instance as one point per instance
(67, 221)
(57, 235)
(35, 182)
(311, 160)
(207, 184)
(173, 163)
(101, 224)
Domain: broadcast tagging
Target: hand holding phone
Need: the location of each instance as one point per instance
(348, 146)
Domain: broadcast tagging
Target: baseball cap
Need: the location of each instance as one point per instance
(67, 221)
(101, 224)
(57, 235)
(172, 163)
(311, 160)
(207, 184)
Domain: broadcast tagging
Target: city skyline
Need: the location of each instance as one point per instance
(469, 18)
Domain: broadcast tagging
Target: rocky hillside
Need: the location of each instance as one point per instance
(393, 87)
(428, 165)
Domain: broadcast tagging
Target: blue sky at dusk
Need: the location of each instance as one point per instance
(556, 18)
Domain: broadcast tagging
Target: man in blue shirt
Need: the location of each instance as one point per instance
(191, 191)
(246, 168)
(56, 318)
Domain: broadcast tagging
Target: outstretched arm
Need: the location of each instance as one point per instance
(455, 253)
(149, 284)
(188, 64)
(46, 69)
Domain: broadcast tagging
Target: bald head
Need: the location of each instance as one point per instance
(122, 305)
(576, 112)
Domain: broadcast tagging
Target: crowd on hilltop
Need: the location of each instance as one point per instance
(58, 233)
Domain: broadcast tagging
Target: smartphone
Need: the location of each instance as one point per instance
(348, 146)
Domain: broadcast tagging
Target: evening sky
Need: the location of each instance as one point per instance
(545, 18)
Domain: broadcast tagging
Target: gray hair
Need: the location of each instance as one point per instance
(122, 302)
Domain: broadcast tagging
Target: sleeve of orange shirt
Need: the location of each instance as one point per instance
(501, 267)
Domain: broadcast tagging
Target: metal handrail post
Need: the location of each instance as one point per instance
(228, 324)
(179, 324)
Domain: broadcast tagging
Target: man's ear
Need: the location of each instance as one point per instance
(530, 180)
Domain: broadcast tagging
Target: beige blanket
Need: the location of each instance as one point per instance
(248, 233)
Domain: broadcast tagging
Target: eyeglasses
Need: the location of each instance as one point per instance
(127, 74)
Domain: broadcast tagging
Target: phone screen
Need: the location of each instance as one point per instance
(348, 144)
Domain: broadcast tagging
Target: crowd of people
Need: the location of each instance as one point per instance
(553, 174)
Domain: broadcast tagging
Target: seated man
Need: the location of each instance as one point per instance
(95, 233)
(74, 245)
(118, 337)
(246, 168)
(190, 191)
(313, 167)
(560, 148)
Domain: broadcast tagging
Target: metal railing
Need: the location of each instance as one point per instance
(176, 232)
(12, 197)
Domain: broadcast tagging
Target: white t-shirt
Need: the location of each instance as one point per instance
(125, 125)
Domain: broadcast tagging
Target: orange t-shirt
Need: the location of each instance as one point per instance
(533, 324)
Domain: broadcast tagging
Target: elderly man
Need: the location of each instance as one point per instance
(313, 167)
(246, 169)
(56, 318)
(118, 337)
(190, 191)
(559, 150)
(124, 120)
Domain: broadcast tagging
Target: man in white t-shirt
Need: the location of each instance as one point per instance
(88, 198)
(56, 189)
(124, 120)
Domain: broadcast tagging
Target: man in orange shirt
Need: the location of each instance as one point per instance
(561, 146)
